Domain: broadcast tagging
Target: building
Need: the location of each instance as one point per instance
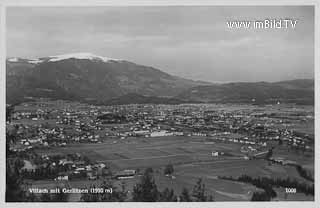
(160, 133)
(215, 154)
(125, 174)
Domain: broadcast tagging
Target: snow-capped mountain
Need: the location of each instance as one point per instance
(88, 56)
(85, 56)
(85, 76)
(14, 59)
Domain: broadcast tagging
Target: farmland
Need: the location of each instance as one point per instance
(192, 159)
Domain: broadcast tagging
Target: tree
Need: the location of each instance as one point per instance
(86, 159)
(14, 182)
(11, 137)
(168, 196)
(185, 196)
(210, 198)
(269, 154)
(198, 191)
(9, 112)
(260, 196)
(168, 169)
(14, 193)
(146, 190)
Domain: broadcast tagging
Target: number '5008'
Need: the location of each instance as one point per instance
(291, 190)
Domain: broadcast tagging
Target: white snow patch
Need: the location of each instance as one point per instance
(35, 61)
(88, 56)
(13, 59)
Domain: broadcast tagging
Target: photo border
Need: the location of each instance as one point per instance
(85, 3)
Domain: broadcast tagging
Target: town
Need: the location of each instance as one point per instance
(65, 141)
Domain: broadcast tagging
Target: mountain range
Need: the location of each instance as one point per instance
(96, 79)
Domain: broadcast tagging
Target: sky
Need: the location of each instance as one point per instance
(192, 42)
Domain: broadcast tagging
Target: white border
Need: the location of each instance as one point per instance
(84, 3)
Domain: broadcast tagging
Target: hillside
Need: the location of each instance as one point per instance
(88, 77)
(293, 91)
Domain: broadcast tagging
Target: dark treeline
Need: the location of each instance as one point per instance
(304, 173)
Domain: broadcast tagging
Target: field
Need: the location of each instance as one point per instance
(191, 158)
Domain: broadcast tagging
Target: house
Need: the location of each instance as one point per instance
(178, 133)
(261, 154)
(65, 162)
(62, 178)
(160, 134)
(28, 166)
(91, 175)
(277, 159)
(141, 132)
(215, 154)
(289, 162)
(125, 174)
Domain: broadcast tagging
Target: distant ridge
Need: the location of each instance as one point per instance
(300, 91)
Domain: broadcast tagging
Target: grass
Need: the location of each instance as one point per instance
(192, 159)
